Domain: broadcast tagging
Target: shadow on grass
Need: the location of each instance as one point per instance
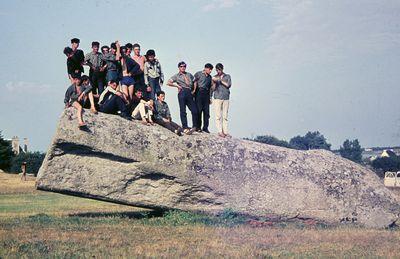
(122, 214)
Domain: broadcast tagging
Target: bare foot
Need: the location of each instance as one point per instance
(93, 110)
(81, 124)
(228, 136)
(222, 135)
(145, 123)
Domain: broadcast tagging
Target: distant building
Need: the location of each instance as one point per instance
(16, 145)
(373, 153)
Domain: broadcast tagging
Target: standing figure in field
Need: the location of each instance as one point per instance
(202, 88)
(23, 171)
(184, 82)
(153, 75)
(222, 84)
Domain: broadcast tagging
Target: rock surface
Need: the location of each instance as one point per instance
(148, 166)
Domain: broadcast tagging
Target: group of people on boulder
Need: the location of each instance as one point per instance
(127, 84)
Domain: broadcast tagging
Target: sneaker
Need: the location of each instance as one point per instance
(178, 132)
(198, 130)
(188, 131)
(129, 118)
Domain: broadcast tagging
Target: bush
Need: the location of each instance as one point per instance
(312, 140)
(271, 140)
(33, 161)
(6, 153)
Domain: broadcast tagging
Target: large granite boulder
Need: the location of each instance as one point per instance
(148, 166)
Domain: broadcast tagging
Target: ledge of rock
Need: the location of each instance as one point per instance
(148, 166)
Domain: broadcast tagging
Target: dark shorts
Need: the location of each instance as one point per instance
(127, 80)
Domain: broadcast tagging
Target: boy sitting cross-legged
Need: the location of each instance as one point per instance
(142, 110)
(112, 100)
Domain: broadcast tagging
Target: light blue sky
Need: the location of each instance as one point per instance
(296, 66)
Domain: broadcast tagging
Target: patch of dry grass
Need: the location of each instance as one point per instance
(107, 234)
(20, 199)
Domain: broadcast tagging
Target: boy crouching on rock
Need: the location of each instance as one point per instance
(77, 96)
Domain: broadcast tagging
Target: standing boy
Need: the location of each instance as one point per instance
(184, 82)
(202, 86)
(97, 67)
(222, 84)
(153, 75)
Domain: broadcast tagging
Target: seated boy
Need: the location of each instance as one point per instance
(73, 95)
(87, 97)
(142, 110)
(112, 100)
(163, 116)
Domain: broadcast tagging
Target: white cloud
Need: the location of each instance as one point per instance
(220, 4)
(27, 87)
(308, 31)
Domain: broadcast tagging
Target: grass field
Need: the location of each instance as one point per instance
(36, 224)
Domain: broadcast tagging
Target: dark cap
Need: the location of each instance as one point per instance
(208, 65)
(75, 40)
(150, 52)
(181, 63)
(67, 51)
(84, 78)
(76, 76)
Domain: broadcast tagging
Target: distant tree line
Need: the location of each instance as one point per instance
(10, 162)
(311, 140)
(351, 149)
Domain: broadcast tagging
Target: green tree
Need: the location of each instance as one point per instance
(6, 153)
(271, 140)
(312, 140)
(351, 150)
(33, 161)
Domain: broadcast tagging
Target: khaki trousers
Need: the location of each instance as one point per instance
(221, 115)
(141, 111)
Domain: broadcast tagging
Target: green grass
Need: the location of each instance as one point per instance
(36, 224)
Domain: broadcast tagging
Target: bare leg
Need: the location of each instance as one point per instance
(91, 99)
(125, 90)
(131, 90)
(79, 113)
